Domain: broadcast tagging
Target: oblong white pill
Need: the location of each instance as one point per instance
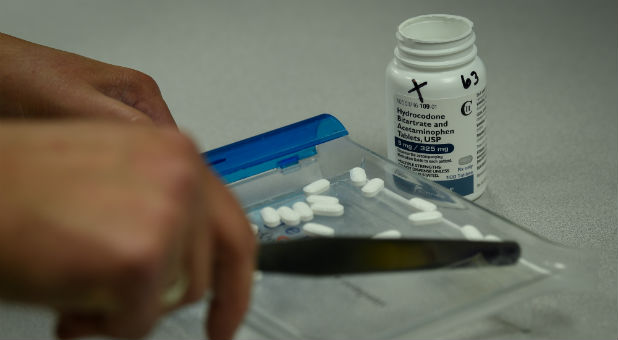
(372, 187)
(388, 234)
(303, 210)
(471, 233)
(270, 217)
(317, 187)
(318, 229)
(288, 216)
(322, 199)
(254, 228)
(325, 209)
(425, 217)
(358, 176)
(490, 237)
(421, 204)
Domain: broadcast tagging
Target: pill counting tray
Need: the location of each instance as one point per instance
(271, 170)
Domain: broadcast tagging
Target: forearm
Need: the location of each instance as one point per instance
(10, 50)
(41, 82)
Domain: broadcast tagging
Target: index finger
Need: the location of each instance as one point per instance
(234, 246)
(137, 90)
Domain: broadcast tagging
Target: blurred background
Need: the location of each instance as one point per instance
(233, 69)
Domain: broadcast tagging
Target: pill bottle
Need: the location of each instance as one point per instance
(435, 103)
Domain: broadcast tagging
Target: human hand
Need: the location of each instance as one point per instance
(42, 82)
(98, 220)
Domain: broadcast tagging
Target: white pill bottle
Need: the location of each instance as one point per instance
(435, 103)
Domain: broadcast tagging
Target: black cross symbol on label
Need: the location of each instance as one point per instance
(417, 88)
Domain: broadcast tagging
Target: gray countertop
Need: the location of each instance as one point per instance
(232, 69)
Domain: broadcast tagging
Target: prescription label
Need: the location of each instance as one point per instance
(443, 140)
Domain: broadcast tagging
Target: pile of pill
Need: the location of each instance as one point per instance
(320, 204)
(315, 205)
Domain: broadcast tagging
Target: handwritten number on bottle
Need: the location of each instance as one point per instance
(466, 82)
